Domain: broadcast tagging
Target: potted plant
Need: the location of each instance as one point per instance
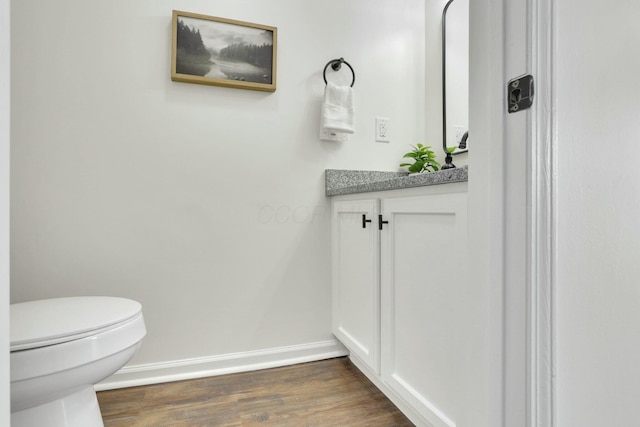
(424, 159)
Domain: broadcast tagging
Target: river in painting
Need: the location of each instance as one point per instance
(240, 71)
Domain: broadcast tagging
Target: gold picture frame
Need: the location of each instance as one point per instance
(223, 52)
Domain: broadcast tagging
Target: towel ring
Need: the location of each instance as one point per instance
(336, 64)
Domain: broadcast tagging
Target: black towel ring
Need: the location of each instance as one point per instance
(336, 64)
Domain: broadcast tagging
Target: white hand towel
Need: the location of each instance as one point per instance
(337, 113)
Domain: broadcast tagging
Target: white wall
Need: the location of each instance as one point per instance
(4, 211)
(204, 203)
(598, 297)
(483, 397)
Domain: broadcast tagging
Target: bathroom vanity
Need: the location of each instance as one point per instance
(399, 267)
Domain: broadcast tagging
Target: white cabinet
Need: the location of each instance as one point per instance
(397, 292)
(356, 281)
(423, 272)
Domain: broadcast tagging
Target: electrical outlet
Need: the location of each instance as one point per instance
(383, 129)
(459, 133)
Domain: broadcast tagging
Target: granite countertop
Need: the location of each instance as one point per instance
(339, 181)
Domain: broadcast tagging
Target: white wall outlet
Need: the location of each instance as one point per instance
(383, 129)
(459, 133)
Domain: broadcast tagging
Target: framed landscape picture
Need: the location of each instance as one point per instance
(223, 52)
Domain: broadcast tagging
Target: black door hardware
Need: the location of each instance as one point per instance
(520, 93)
(381, 222)
(365, 221)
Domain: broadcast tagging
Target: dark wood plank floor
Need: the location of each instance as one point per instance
(326, 393)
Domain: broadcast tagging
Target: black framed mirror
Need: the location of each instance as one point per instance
(455, 79)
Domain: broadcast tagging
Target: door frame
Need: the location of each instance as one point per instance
(542, 219)
(513, 235)
(5, 71)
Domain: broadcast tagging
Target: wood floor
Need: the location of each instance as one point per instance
(326, 393)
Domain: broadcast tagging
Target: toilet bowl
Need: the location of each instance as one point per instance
(60, 348)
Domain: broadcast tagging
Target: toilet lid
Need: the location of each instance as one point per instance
(53, 321)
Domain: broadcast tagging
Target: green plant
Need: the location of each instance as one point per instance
(424, 159)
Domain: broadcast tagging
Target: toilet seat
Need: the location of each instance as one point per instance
(49, 322)
(61, 348)
(58, 335)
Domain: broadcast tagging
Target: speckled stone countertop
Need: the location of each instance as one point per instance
(339, 182)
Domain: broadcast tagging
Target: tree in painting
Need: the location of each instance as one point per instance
(192, 56)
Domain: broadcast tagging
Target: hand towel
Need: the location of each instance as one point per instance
(337, 113)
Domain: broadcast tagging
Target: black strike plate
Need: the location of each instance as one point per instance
(520, 93)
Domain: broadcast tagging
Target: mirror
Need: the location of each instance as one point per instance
(455, 78)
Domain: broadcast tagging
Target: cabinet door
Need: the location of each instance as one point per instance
(423, 277)
(356, 283)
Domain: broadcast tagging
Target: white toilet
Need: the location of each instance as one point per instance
(60, 348)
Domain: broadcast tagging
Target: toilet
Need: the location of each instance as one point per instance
(62, 347)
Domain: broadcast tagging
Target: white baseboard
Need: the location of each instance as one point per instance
(178, 370)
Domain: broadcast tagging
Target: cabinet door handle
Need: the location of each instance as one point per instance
(365, 221)
(381, 222)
